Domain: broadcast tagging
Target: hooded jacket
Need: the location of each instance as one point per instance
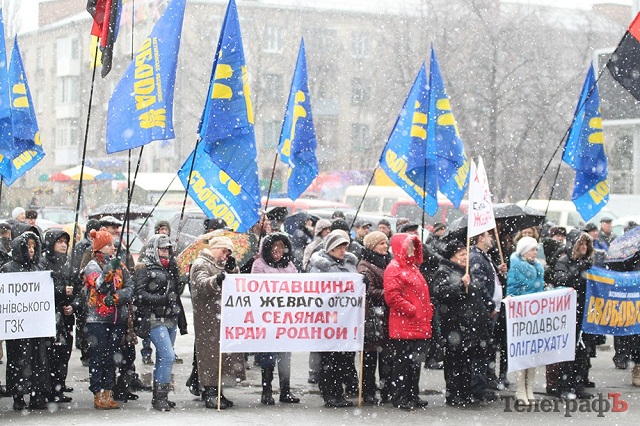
(60, 272)
(157, 287)
(20, 261)
(265, 264)
(406, 291)
(524, 277)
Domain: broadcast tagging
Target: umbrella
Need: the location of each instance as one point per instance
(74, 174)
(119, 210)
(241, 244)
(624, 249)
(511, 217)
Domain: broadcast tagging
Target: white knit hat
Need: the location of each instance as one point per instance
(525, 244)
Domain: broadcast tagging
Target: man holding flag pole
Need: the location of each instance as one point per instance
(484, 273)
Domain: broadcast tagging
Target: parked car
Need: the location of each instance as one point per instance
(564, 213)
(185, 232)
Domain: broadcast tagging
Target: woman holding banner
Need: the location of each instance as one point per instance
(525, 276)
(27, 359)
(377, 347)
(334, 365)
(276, 257)
(569, 272)
(410, 312)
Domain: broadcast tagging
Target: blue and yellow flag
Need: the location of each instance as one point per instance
(226, 127)
(141, 107)
(584, 152)
(408, 139)
(27, 147)
(298, 138)
(216, 193)
(443, 139)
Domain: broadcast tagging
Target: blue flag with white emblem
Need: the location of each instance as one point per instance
(226, 127)
(6, 138)
(443, 140)
(27, 147)
(408, 140)
(141, 106)
(584, 152)
(298, 138)
(216, 193)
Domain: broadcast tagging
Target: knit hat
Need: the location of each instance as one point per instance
(525, 244)
(100, 238)
(17, 212)
(372, 239)
(335, 238)
(438, 226)
(221, 242)
(452, 248)
(558, 230)
(340, 224)
(321, 225)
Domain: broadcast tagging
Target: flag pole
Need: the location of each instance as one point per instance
(495, 231)
(186, 190)
(84, 154)
(355, 216)
(266, 205)
(424, 198)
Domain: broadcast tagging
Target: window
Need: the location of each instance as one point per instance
(359, 45)
(360, 137)
(67, 90)
(40, 58)
(272, 87)
(272, 39)
(66, 134)
(359, 92)
(271, 134)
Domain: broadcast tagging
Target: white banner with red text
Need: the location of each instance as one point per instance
(27, 307)
(292, 313)
(541, 328)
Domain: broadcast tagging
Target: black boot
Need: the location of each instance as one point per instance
(267, 391)
(160, 400)
(286, 395)
(120, 392)
(18, 403)
(211, 398)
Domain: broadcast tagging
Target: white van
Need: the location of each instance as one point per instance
(564, 213)
(379, 200)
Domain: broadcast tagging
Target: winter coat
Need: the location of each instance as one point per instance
(61, 274)
(464, 321)
(569, 272)
(483, 274)
(265, 264)
(321, 261)
(206, 297)
(406, 292)
(157, 289)
(300, 236)
(106, 277)
(27, 359)
(372, 267)
(524, 277)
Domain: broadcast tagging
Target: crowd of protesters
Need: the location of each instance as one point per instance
(436, 304)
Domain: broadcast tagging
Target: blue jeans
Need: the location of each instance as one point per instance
(104, 341)
(163, 338)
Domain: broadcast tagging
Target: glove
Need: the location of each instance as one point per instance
(230, 265)
(109, 301)
(219, 278)
(584, 264)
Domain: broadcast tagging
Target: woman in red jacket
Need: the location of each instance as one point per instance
(410, 312)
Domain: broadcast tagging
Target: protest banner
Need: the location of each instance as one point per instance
(541, 328)
(612, 302)
(292, 313)
(27, 307)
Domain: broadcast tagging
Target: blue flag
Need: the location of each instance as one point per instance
(298, 138)
(6, 138)
(584, 152)
(217, 194)
(141, 107)
(226, 128)
(408, 140)
(27, 147)
(443, 140)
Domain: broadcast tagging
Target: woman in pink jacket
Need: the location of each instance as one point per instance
(276, 257)
(410, 312)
